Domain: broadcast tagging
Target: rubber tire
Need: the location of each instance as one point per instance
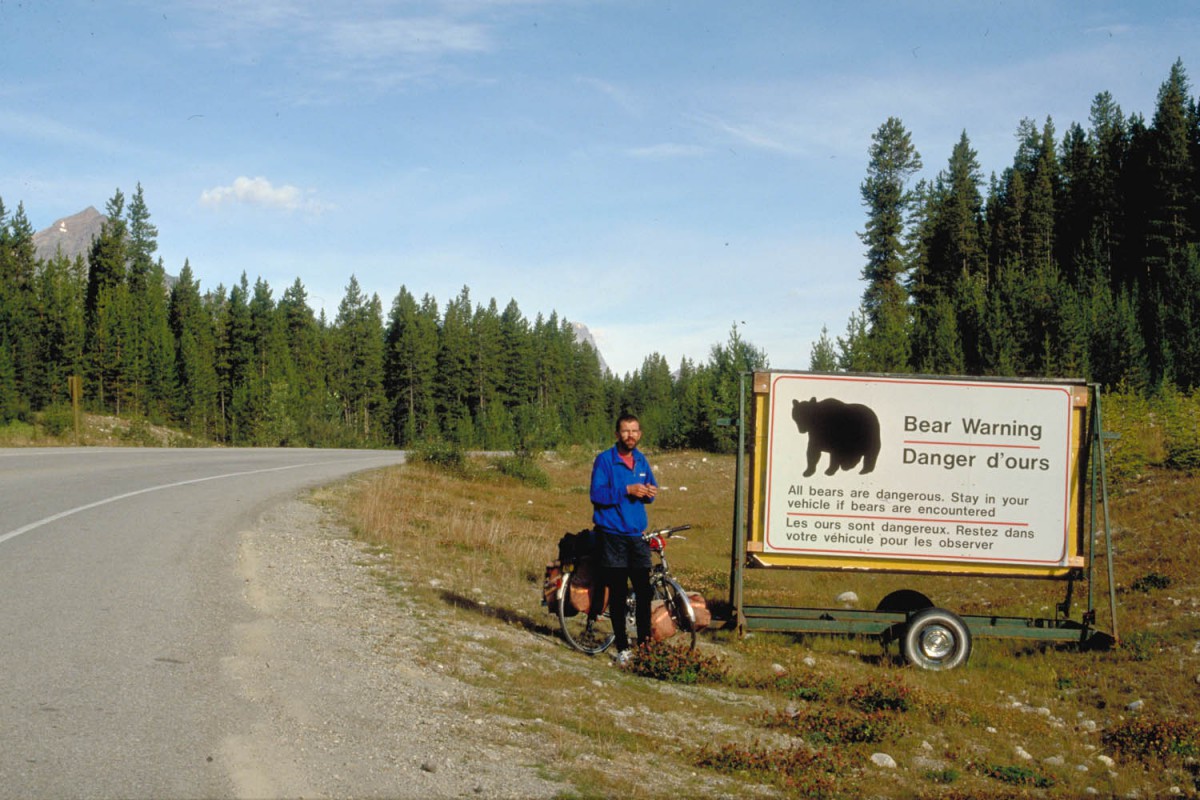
(672, 594)
(587, 636)
(936, 639)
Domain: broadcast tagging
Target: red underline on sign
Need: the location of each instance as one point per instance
(974, 444)
(993, 523)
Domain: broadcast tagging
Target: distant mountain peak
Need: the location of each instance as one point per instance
(582, 334)
(72, 235)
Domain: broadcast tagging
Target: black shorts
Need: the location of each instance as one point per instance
(617, 551)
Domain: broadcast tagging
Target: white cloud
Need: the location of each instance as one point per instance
(260, 192)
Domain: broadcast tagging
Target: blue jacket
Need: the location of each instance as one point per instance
(614, 510)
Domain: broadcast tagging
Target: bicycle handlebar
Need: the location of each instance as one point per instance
(668, 532)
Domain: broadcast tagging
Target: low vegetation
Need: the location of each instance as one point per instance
(803, 716)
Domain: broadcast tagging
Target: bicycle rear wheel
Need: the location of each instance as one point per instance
(582, 631)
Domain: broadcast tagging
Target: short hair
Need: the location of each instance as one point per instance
(627, 418)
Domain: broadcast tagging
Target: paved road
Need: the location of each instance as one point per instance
(119, 597)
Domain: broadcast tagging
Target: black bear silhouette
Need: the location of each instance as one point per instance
(849, 432)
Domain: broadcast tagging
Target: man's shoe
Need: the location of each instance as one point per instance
(621, 657)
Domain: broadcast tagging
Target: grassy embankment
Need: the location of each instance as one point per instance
(803, 716)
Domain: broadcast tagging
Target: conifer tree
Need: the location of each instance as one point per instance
(235, 357)
(19, 311)
(60, 287)
(195, 357)
(308, 394)
(358, 359)
(1038, 228)
(410, 368)
(887, 197)
(516, 352)
(487, 365)
(454, 370)
(824, 354)
(104, 338)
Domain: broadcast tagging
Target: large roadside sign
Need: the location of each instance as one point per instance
(923, 474)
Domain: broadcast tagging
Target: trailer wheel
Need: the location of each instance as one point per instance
(936, 639)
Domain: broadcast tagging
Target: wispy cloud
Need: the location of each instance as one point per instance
(370, 44)
(261, 192)
(668, 150)
(44, 129)
(775, 134)
(388, 38)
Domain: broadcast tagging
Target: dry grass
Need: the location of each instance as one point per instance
(1019, 720)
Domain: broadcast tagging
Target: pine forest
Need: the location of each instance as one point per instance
(1081, 259)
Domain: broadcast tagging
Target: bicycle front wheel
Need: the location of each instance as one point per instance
(671, 593)
(582, 631)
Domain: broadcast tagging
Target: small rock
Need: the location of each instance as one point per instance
(848, 598)
(1136, 705)
(809, 661)
(883, 760)
(1088, 725)
(1022, 753)
(1105, 760)
(428, 766)
(990, 729)
(683, 488)
(1054, 761)
(779, 669)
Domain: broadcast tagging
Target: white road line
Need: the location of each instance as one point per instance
(55, 517)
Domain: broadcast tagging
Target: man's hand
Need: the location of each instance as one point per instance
(647, 490)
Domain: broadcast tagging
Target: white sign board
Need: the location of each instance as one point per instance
(919, 469)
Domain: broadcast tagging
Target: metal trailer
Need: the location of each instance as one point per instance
(932, 637)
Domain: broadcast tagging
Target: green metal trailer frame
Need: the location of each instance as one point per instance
(891, 625)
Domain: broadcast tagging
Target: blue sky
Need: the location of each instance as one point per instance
(655, 170)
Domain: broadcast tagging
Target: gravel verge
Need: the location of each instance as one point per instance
(341, 704)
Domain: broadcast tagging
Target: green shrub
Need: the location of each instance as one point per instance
(1139, 441)
(1143, 645)
(1181, 422)
(944, 776)
(57, 420)
(1142, 738)
(523, 468)
(664, 662)
(139, 433)
(1016, 774)
(1150, 581)
(441, 454)
(808, 686)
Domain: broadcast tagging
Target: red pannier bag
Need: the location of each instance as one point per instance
(700, 610)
